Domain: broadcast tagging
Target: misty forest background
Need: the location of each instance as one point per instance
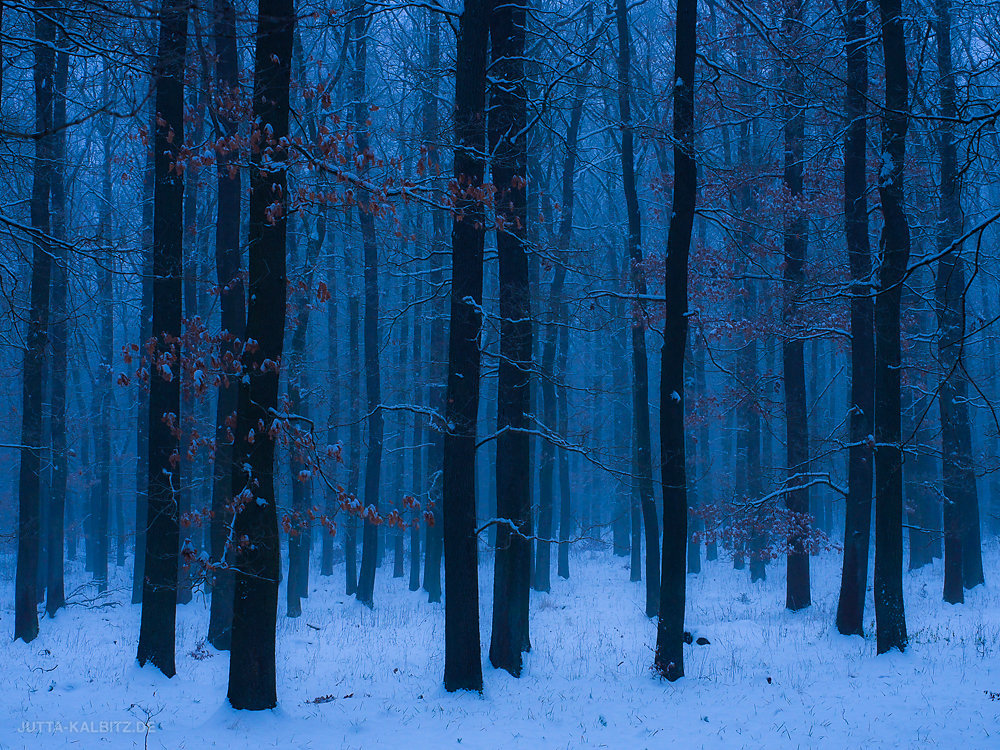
(366, 289)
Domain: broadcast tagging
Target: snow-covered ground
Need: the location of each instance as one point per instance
(768, 679)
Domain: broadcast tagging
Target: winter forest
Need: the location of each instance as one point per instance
(536, 373)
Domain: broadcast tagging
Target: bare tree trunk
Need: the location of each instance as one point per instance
(438, 334)
(419, 435)
(963, 562)
(251, 664)
(55, 587)
(629, 510)
(797, 593)
(624, 427)
(691, 471)
(562, 397)
(669, 656)
(334, 384)
(86, 476)
(145, 334)
(508, 142)
(462, 665)
(159, 596)
(29, 479)
(706, 488)
(354, 471)
(188, 450)
(405, 484)
(857, 522)
(373, 379)
(640, 377)
(232, 306)
(890, 618)
(993, 438)
(706, 459)
(103, 395)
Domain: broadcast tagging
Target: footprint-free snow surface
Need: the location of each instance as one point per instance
(350, 677)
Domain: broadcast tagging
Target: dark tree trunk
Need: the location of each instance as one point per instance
(621, 535)
(797, 593)
(145, 334)
(620, 532)
(45, 469)
(635, 562)
(705, 458)
(85, 473)
(159, 596)
(354, 472)
(890, 618)
(119, 525)
(189, 323)
(434, 539)
(405, 484)
(428, 108)
(462, 666)
(631, 519)
(298, 529)
(255, 607)
(55, 587)
(860, 469)
(963, 562)
(691, 472)
(335, 370)
(704, 464)
(438, 334)
(738, 544)
(546, 459)
(417, 453)
(232, 307)
(508, 143)
(106, 355)
(993, 438)
(29, 479)
(640, 365)
(94, 493)
(565, 522)
(669, 656)
(373, 379)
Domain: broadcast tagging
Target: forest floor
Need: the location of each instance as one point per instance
(768, 679)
